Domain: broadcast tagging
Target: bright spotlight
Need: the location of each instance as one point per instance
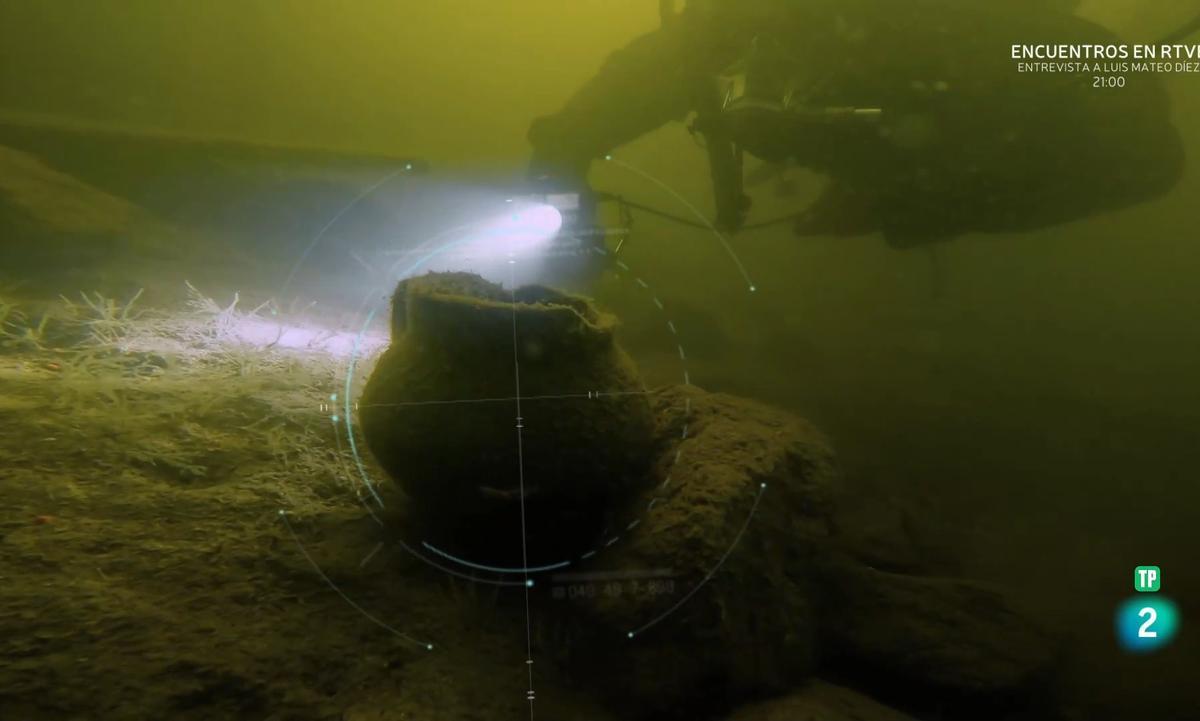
(523, 234)
(529, 228)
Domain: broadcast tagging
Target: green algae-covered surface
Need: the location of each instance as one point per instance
(148, 573)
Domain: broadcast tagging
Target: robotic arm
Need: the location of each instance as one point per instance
(658, 78)
(639, 88)
(662, 76)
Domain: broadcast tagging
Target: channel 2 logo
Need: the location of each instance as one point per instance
(1146, 623)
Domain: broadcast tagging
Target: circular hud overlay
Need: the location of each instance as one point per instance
(507, 250)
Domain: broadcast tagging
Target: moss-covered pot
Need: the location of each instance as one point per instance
(486, 391)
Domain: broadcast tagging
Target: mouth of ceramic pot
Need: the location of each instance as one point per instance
(462, 309)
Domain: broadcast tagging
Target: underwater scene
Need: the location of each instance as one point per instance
(599, 360)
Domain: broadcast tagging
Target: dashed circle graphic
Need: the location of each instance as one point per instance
(463, 568)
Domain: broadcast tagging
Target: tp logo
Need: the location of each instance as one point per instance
(1147, 579)
(1145, 624)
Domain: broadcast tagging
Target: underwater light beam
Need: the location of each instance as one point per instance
(525, 232)
(262, 333)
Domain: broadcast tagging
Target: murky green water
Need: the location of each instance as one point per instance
(1031, 396)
